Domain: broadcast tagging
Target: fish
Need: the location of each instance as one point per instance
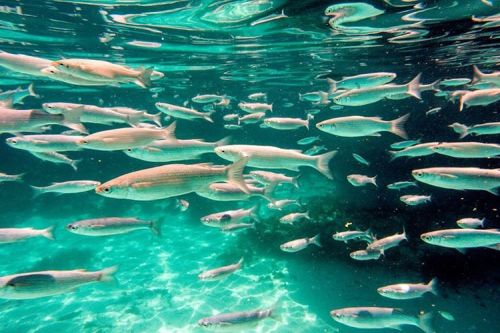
(415, 200)
(314, 150)
(317, 97)
(15, 121)
(182, 112)
(24, 64)
(446, 315)
(12, 235)
(422, 149)
(471, 223)
(294, 217)
(272, 179)
(462, 238)
(378, 318)
(455, 82)
(135, 117)
(237, 226)
(361, 180)
(404, 144)
(221, 219)
(308, 140)
(11, 178)
(401, 185)
(433, 111)
(468, 149)
(345, 236)
(408, 290)
(48, 283)
(361, 81)
(107, 226)
(357, 126)
(230, 117)
(479, 129)
(208, 98)
(173, 149)
(365, 96)
(45, 142)
(55, 157)
(68, 187)
(182, 205)
(220, 272)
(281, 123)
(251, 118)
(386, 243)
(257, 96)
(360, 159)
(282, 204)
(235, 319)
(58, 75)
(16, 96)
(457, 178)
(99, 70)
(255, 107)
(231, 192)
(269, 157)
(363, 255)
(124, 138)
(172, 180)
(479, 97)
(232, 127)
(480, 77)
(300, 244)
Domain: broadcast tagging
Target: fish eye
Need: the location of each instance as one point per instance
(13, 141)
(107, 189)
(85, 141)
(129, 150)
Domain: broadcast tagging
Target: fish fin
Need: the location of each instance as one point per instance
(223, 142)
(240, 262)
(74, 164)
(495, 191)
(144, 79)
(155, 118)
(47, 233)
(156, 227)
(37, 191)
(461, 129)
(316, 240)
(169, 131)
(322, 162)
(461, 103)
(106, 275)
(332, 85)
(235, 173)
(477, 75)
(414, 87)
(397, 126)
(461, 250)
(392, 154)
(32, 92)
(425, 322)
(433, 285)
(374, 181)
(482, 222)
(72, 120)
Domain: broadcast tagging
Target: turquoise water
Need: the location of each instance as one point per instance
(212, 47)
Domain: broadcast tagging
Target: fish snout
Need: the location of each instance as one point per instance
(102, 189)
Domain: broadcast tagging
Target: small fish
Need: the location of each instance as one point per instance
(257, 96)
(387, 243)
(401, 185)
(361, 81)
(462, 238)
(308, 140)
(48, 283)
(15, 121)
(408, 290)
(446, 315)
(220, 272)
(281, 123)
(231, 192)
(454, 82)
(294, 217)
(182, 205)
(362, 180)
(272, 179)
(433, 111)
(415, 200)
(12, 235)
(363, 255)
(300, 244)
(219, 220)
(479, 97)
(468, 149)
(182, 112)
(479, 129)
(23, 63)
(112, 226)
(230, 320)
(422, 149)
(232, 127)
(358, 126)
(209, 98)
(346, 236)
(237, 227)
(360, 159)
(282, 204)
(55, 157)
(255, 107)
(230, 117)
(69, 187)
(45, 142)
(10, 97)
(471, 223)
(314, 150)
(251, 118)
(404, 144)
(317, 97)
(11, 178)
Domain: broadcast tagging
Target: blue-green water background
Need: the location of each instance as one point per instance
(157, 289)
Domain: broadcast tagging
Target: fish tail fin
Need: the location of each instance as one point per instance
(425, 322)
(374, 181)
(72, 120)
(316, 240)
(19, 177)
(32, 92)
(477, 75)
(306, 216)
(235, 173)
(106, 275)
(433, 286)
(223, 142)
(461, 129)
(397, 126)
(332, 85)
(37, 191)
(268, 192)
(295, 181)
(435, 85)
(393, 155)
(156, 227)
(47, 233)
(169, 131)
(414, 86)
(322, 162)
(462, 103)
(254, 214)
(271, 107)
(144, 79)
(482, 222)
(308, 120)
(208, 116)
(240, 262)
(155, 118)
(74, 164)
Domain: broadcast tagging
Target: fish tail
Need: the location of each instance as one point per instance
(333, 85)
(240, 262)
(106, 275)
(72, 120)
(414, 87)
(32, 92)
(268, 192)
(435, 85)
(37, 191)
(322, 162)
(74, 164)
(392, 154)
(306, 215)
(482, 222)
(271, 107)
(315, 240)
(144, 78)
(461, 129)
(254, 213)
(374, 181)
(433, 286)
(47, 233)
(425, 322)
(235, 173)
(155, 118)
(208, 116)
(223, 141)
(295, 181)
(397, 126)
(169, 131)
(18, 177)
(156, 227)
(308, 120)
(477, 75)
